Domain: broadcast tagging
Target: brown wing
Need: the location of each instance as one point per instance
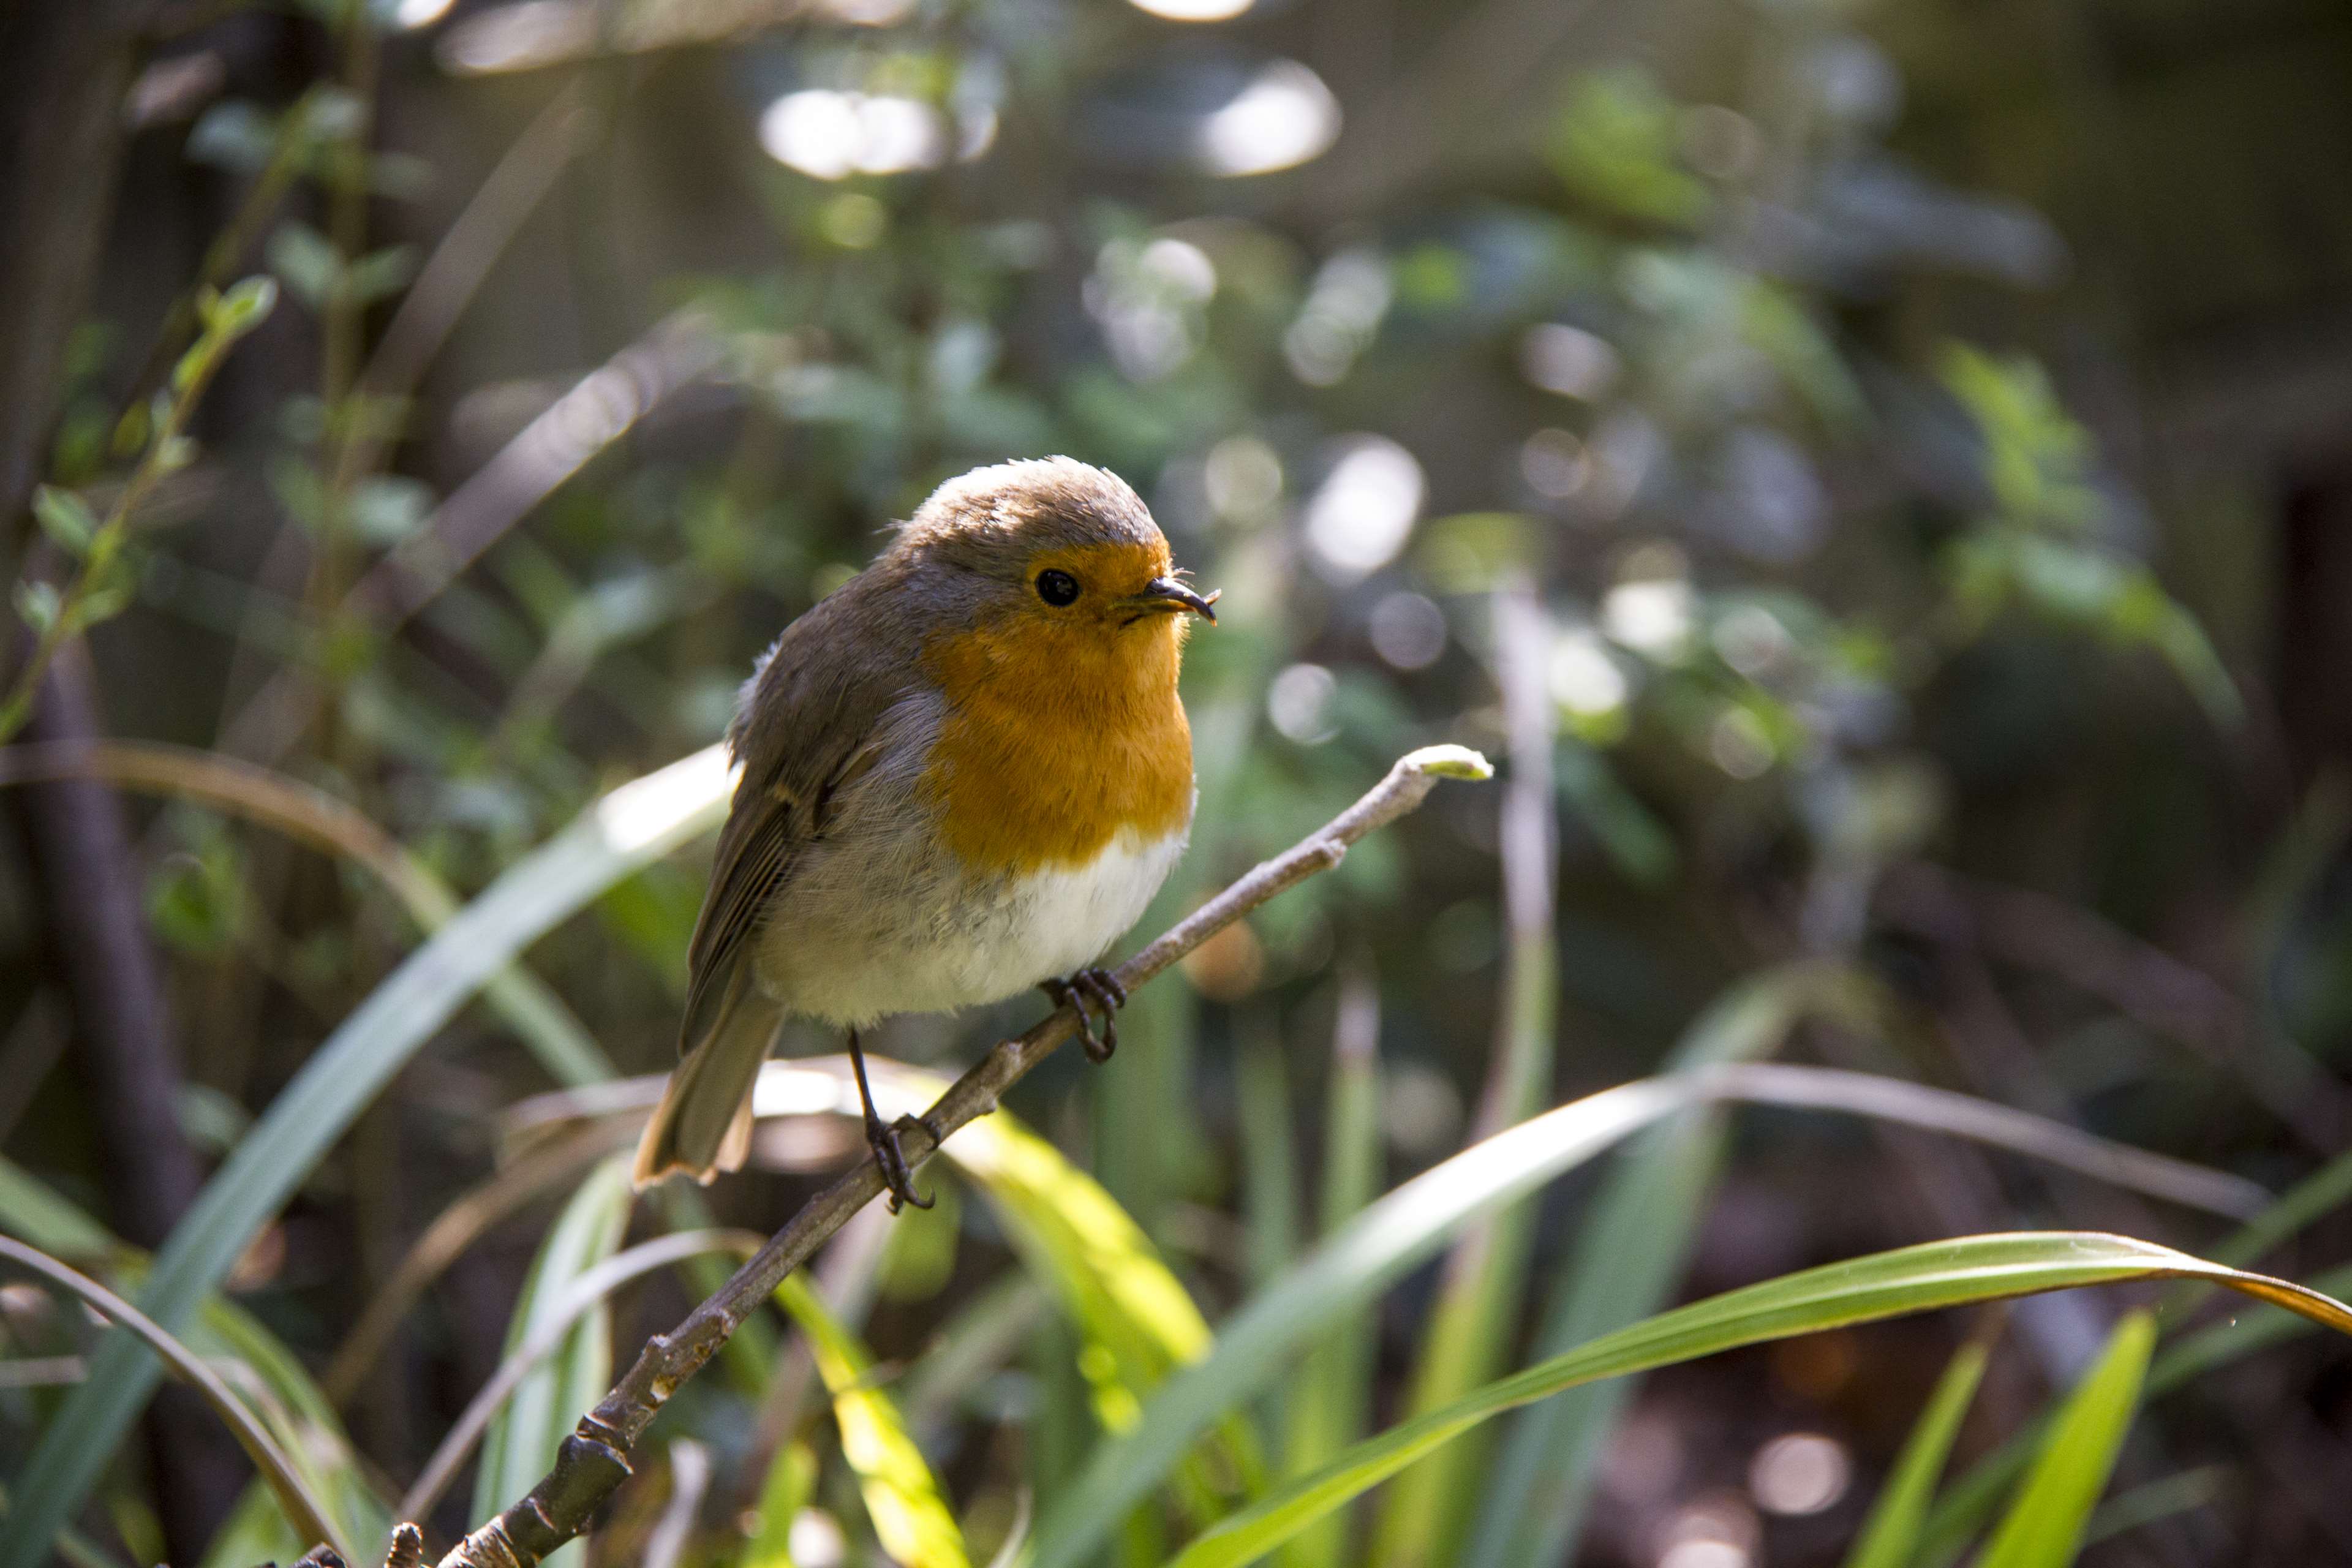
(806, 731)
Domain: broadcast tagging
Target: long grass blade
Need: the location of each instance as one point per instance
(2044, 1528)
(279, 1388)
(627, 829)
(1632, 1250)
(1332, 1394)
(1413, 1220)
(1891, 1534)
(1425, 1515)
(555, 1324)
(1888, 1284)
(310, 1513)
(903, 1499)
(538, 1414)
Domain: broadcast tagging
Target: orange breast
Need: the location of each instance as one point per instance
(1055, 741)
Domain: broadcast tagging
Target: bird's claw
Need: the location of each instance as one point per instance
(897, 1177)
(1100, 987)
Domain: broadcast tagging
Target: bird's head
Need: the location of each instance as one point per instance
(1057, 554)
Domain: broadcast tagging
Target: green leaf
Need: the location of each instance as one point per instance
(308, 262)
(1632, 1250)
(1891, 1534)
(903, 1499)
(245, 305)
(39, 603)
(622, 831)
(64, 518)
(1617, 144)
(1330, 1400)
(791, 1480)
(2045, 1527)
(1888, 1284)
(380, 274)
(521, 1443)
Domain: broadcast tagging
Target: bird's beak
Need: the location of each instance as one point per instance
(1167, 593)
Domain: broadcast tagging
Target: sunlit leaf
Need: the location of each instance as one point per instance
(1888, 1284)
(903, 1499)
(2044, 1528)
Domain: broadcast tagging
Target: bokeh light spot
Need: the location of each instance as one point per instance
(1363, 511)
(1298, 701)
(1281, 117)
(1408, 630)
(1567, 360)
(1801, 1473)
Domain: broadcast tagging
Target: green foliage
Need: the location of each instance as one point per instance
(902, 1496)
(1890, 1538)
(1656, 340)
(540, 1414)
(2049, 1514)
(2044, 1528)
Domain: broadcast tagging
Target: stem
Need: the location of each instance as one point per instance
(594, 1460)
(104, 545)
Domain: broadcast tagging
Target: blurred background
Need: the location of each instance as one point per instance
(1876, 474)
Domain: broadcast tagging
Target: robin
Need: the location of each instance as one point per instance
(965, 772)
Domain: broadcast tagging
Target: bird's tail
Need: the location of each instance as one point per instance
(703, 1124)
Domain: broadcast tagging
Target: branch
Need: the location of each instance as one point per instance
(594, 1460)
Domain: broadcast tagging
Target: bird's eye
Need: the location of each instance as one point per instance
(1057, 589)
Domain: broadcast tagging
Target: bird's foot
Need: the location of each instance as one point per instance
(897, 1177)
(1100, 988)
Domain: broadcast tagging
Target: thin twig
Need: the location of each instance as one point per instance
(593, 1461)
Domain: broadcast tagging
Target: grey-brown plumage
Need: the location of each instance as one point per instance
(831, 895)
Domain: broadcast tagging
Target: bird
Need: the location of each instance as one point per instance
(965, 772)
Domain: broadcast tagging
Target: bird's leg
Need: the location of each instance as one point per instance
(1101, 987)
(883, 1139)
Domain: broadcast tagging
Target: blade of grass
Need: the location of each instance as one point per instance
(903, 1499)
(2044, 1529)
(538, 1414)
(285, 1398)
(1969, 1501)
(311, 815)
(627, 828)
(1414, 1219)
(792, 1481)
(1892, 1532)
(1965, 1507)
(2184, 1492)
(1426, 1514)
(1888, 1284)
(310, 1514)
(1269, 1145)
(1632, 1248)
(587, 1294)
(1332, 1396)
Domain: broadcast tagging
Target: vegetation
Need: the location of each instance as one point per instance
(1912, 875)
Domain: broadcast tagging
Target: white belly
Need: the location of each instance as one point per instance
(946, 942)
